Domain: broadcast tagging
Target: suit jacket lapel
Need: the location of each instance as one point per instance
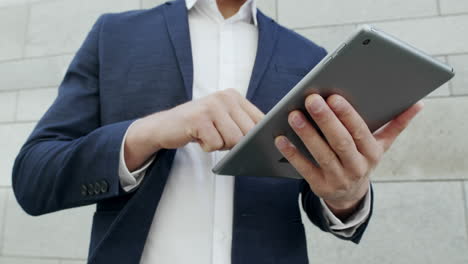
(266, 43)
(178, 28)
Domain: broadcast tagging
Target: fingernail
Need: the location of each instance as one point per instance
(297, 121)
(281, 142)
(315, 104)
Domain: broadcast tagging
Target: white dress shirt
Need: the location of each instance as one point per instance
(193, 222)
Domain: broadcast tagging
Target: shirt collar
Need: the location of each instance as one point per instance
(248, 9)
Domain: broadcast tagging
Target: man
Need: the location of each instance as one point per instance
(145, 111)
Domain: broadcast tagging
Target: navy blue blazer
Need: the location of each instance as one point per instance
(133, 64)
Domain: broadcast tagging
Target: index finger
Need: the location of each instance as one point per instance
(254, 113)
(363, 138)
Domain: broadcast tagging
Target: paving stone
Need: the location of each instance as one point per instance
(32, 104)
(72, 20)
(433, 147)
(7, 106)
(12, 137)
(8, 3)
(63, 234)
(449, 34)
(328, 37)
(436, 36)
(13, 31)
(33, 73)
(19, 260)
(418, 223)
(268, 7)
(453, 6)
(305, 13)
(460, 81)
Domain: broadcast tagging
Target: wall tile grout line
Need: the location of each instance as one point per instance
(19, 122)
(378, 21)
(29, 89)
(26, 30)
(465, 209)
(41, 257)
(3, 227)
(451, 54)
(438, 7)
(15, 116)
(446, 96)
(416, 180)
(277, 10)
(45, 56)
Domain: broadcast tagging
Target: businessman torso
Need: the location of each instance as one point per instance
(154, 83)
(138, 63)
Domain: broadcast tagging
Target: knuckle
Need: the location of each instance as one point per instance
(228, 94)
(359, 133)
(205, 109)
(342, 186)
(326, 160)
(344, 145)
(219, 144)
(360, 170)
(232, 91)
(214, 145)
(376, 156)
(231, 142)
(220, 95)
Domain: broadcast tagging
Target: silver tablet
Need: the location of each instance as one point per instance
(378, 74)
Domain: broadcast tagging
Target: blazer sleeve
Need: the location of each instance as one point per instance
(313, 209)
(70, 160)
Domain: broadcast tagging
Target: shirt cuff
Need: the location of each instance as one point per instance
(349, 227)
(131, 180)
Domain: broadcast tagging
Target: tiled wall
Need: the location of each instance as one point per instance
(420, 188)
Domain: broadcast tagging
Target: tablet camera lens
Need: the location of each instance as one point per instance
(366, 42)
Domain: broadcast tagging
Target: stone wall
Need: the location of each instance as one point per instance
(420, 188)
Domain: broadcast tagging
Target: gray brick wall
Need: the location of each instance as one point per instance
(420, 187)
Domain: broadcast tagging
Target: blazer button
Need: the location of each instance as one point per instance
(97, 188)
(104, 186)
(90, 189)
(84, 190)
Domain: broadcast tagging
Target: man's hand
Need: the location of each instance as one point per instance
(347, 156)
(216, 122)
